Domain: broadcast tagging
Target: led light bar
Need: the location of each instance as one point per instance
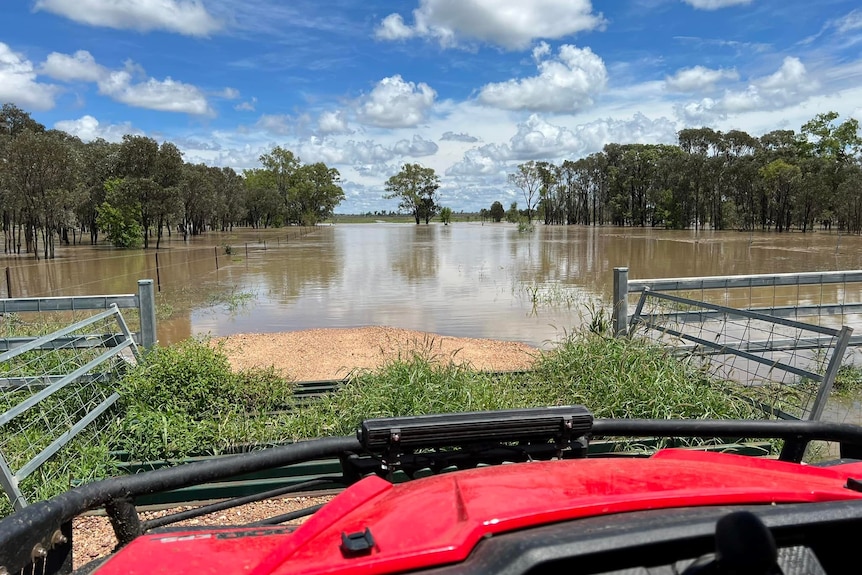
(541, 424)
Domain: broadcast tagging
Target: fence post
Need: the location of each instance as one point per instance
(619, 316)
(147, 312)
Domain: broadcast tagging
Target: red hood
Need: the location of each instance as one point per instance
(439, 519)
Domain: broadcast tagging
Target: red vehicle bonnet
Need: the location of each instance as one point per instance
(438, 520)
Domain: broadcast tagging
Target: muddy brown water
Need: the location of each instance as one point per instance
(462, 280)
(465, 279)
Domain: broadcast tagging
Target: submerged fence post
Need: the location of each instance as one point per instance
(147, 312)
(619, 316)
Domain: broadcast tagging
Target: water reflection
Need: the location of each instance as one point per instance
(465, 279)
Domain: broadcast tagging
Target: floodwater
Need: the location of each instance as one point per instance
(465, 279)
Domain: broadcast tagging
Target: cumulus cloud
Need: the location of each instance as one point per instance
(18, 82)
(333, 123)
(459, 137)
(536, 138)
(486, 160)
(352, 153)
(417, 147)
(166, 95)
(80, 66)
(698, 79)
(188, 17)
(715, 4)
(394, 103)
(89, 128)
(393, 28)
(789, 85)
(278, 124)
(564, 84)
(512, 24)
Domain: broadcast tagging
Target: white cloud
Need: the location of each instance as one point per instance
(538, 139)
(247, 106)
(229, 93)
(333, 123)
(715, 4)
(89, 128)
(394, 103)
(789, 84)
(351, 153)
(512, 24)
(564, 84)
(166, 95)
(18, 82)
(80, 66)
(278, 124)
(850, 22)
(417, 147)
(459, 137)
(393, 28)
(698, 79)
(189, 17)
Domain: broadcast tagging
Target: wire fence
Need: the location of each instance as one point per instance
(785, 367)
(56, 390)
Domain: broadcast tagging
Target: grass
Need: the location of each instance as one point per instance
(184, 399)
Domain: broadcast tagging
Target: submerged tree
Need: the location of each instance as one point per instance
(416, 189)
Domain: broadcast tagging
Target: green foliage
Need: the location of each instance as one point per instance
(848, 380)
(122, 228)
(613, 377)
(512, 214)
(186, 399)
(497, 211)
(416, 189)
(446, 216)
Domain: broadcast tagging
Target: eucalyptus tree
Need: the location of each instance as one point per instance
(497, 212)
(39, 169)
(138, 165)
(97, 163)
(13, 121)
(415, 186)
(261, 198)
(315, 193)
(528, 179)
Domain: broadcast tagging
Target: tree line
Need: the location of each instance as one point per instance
(56, 188)
(779, 181)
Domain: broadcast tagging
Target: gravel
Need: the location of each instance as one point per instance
(310, 355)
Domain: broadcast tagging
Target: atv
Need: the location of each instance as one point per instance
(504, 492)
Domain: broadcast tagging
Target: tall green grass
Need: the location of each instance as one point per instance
(184, 399)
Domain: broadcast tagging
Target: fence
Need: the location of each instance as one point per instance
(144, 301)
(747, 329)
(784, 367)
(823, 298)
(53, 387)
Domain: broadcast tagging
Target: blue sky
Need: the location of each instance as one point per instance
(470, 88)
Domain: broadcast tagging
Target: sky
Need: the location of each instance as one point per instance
(470, 88)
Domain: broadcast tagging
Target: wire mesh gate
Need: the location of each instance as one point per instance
(785, 367)
(55, 386)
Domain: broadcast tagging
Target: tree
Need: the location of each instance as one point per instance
(513, 214)
(497, 211)
(415, 187)
(315, 194)
(529, 179)
(446, 216)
